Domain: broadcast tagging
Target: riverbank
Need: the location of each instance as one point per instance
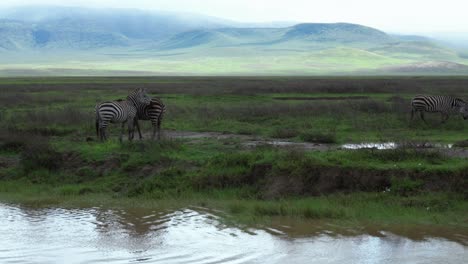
(255, 148)
(353, 209)
(396, 186)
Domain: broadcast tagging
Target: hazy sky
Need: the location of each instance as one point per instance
(405, 16)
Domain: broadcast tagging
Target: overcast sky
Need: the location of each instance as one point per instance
(405, 16)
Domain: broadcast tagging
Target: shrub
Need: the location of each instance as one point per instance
(318, 137)
(14, 144)
(225, 170)
(39, 155)
(403, 154)
(284, 133)
(369, 106)
(14, 140)
(405, 186)
(461, 144)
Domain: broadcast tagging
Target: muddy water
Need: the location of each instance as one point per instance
(196, 235)
(254, 141)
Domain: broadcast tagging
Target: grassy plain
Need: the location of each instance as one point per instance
(48, 154)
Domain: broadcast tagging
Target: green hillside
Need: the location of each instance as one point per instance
(74, 41)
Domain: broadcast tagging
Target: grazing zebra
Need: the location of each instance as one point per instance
(120, 111)
(438, 103)
(153, 112)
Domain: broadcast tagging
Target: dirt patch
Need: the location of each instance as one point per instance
(8, 162)
(324, 180)
(289, 144)
(200, 135)
(321, 98)
(250, 142)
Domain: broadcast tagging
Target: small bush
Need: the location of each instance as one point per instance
(236, 208)
(369, 106)
(270, 209)
(405, 186)
(284, 133)
(226, 170)
(39, 155)
(14, 145)
(403, 154)
(461, 144)
(322, 213)
(15, 141)
(87, 172)
(318, 137)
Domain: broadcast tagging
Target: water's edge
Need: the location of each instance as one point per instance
(196, 235)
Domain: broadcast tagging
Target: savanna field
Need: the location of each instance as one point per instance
(218, 148)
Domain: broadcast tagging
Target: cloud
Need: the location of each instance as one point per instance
(395, 15)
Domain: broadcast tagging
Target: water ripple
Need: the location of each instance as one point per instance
(195, 235)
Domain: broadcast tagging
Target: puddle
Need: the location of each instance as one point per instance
(250, 141)
(381, 146)
(393, 145)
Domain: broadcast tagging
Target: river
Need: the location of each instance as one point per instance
(197, 235)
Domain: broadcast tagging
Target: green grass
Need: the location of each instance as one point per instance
(439, 209)
(46, 122)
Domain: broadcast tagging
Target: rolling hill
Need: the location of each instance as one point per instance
(64, 40)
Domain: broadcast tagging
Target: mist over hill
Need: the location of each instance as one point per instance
(64, 40)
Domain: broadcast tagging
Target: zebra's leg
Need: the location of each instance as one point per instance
(122, 131)
(445, 117)
(138, 128)
(97, 128)
(102, 131)
(159, 128)
(103, 135)
(422, 116)
(131, 129)
(154, 132)
(412, 114)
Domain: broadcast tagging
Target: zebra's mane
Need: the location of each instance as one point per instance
(461, 102)
(132, 95)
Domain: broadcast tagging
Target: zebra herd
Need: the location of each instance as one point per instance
(137, 106)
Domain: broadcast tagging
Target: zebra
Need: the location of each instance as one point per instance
(120, 111)
(153, 112)
(438, 103)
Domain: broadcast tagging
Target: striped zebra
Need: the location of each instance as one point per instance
(438, 104)
(120, 111)
(153, 112)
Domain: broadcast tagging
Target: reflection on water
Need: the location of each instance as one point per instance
(393, 145)
(387, 145)
(195, 235)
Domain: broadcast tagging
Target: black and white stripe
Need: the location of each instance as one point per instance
(438, 104)
(153, 112)
(120, 111)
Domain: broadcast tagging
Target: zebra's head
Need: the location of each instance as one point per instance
(464, 110)
(139, 97)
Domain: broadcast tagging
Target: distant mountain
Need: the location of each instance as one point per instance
(340, 32)
(64, 39)
(430, 67)
(67, 27)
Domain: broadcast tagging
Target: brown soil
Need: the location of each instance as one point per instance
(7, 162)
(327, 98)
